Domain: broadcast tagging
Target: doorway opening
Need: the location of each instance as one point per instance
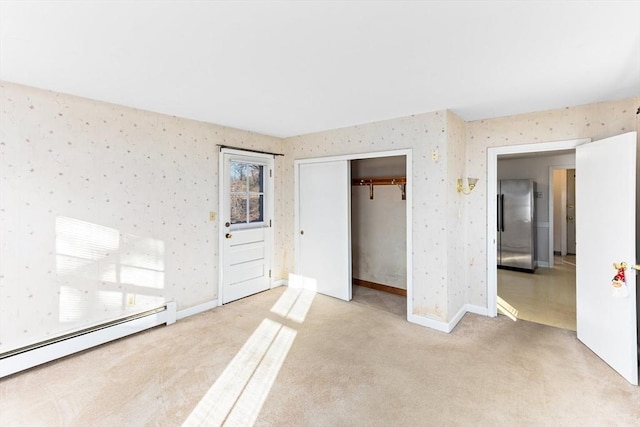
(378, 233)
(606, 320)
(324, 190)
(545, 294)
(506, 152)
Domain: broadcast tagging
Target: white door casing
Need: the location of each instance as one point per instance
(605, 196)
(323, 227)
(246, 233)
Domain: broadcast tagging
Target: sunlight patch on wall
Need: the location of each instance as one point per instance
(104, 273)
(302, 282)
(72, 304)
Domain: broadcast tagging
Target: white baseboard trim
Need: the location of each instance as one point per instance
(476, 309)
(447, 326)
(281, 282)
(457, 318)
(429, 323)
(196, 309)
(467, 308)
(215, 303)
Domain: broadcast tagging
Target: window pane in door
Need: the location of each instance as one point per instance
(256, 208)
(255, 176)
(238, 180)
(238, 204)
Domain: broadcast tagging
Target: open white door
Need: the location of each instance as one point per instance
(324, 227)
(605, 193)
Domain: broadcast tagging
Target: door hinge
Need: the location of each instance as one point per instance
(269, 223)
(270, 173)
(269, 273)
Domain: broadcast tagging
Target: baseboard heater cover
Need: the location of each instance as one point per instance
(33, 355)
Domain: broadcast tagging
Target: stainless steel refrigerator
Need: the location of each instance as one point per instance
(516, 224)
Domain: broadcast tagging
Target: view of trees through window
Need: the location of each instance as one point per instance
(247, 193)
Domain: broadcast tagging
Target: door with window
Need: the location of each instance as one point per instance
(246, 224)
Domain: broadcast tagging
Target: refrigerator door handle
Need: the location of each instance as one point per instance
(502, 211)
(498, 212)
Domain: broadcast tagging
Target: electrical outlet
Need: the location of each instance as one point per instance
(212, 216)
(131, 300)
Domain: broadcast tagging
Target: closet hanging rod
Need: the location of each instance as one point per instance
(249, 150)
(397, 180)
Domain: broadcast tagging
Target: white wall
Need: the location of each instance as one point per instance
(101, 203)
(537, 168)
(379, 226)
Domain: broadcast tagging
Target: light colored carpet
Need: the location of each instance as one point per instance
(344, 364)
(379, 300)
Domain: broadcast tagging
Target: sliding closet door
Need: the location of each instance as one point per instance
(324, 227)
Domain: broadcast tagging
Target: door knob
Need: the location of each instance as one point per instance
(623, 265)
(228, 235)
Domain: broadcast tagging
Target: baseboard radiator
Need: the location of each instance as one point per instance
(33, 355)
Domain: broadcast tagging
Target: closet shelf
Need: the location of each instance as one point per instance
(400, 181)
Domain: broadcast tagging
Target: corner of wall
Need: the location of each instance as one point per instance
(456, 216)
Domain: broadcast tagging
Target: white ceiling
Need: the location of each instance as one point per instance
(289, 68)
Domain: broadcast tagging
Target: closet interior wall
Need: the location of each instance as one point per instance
(378, 222)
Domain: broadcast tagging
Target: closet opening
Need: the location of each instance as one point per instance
(379, 233)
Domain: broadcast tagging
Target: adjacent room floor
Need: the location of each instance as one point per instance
(287, 357)
(547, 296)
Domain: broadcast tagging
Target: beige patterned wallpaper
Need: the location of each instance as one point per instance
(104, 209)
(595, 121)
(135, 189)
(456, 214)
(434, 198)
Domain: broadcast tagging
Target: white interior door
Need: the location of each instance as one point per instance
(246, 236)
(324, 227)
(605, 194)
